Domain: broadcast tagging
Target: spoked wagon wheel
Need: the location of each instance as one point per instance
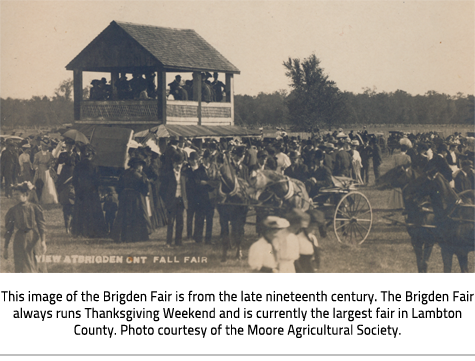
(353, 219)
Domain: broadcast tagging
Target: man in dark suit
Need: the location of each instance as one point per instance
(439, 163)
(418, 160)
(377, 157)
(365, 154)
(10, 166)
(173, 191)
(65, 164)
(205, 178)
(342, 162)
(189, 170)
(297, 170)
(465, 179)
(320, 177)
(329, 157)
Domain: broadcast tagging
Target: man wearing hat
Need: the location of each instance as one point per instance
(465, 178)
(206, 180)
(297, 170)
(329, 157)
(64, 167)
(172, 148)
(319, 177)
(173, 191)
(342, 164)
(10, 166)
(439, 163)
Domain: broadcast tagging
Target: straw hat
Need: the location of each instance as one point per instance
(275, 222)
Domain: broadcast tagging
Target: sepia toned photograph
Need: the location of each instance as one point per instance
(237, 137)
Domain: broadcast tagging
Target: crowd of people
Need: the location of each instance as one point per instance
(165, 183)
(142, 86)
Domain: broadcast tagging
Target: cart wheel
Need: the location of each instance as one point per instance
(353, 219)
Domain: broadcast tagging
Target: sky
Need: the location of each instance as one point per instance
(415, 46)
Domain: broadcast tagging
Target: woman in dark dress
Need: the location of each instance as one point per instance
(29, 222)
(152, 171)
(132, 223)
(88, 218)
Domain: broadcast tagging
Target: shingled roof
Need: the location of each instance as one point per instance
(126, 45)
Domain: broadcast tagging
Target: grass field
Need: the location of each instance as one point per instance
(387, 249)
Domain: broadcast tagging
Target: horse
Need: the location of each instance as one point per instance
(419, 217)
(453, 215)
(284, 192)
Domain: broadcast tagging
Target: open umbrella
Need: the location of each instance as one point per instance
(76, 135)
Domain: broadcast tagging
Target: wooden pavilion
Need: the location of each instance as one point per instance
(133, 48)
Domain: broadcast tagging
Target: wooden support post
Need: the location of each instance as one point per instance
(114, 79)
(197, 92)
(162, 96)
(77, 93)
(230, 94)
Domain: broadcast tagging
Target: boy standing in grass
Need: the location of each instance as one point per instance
(28, 219)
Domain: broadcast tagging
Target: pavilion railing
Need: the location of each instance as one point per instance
(178, 112)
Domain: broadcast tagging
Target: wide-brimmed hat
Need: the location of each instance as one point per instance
(294, 154)
(135, 161)
(355, 142)
(24, 187)
(467, 163)
(239, 151)
(275, 222)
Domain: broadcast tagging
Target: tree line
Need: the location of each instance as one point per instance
(313, 101)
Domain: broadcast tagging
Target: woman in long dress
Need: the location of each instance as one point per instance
(42, 164)
(88, 219)
(25, 164)
(29, 241)
(399, 159)
(132, 223)
(153, 174)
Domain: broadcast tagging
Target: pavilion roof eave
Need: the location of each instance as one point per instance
(169, 69)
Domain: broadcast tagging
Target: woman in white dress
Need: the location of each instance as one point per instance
(42, 164)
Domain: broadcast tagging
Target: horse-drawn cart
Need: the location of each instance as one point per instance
(347, 210)
(271, 193)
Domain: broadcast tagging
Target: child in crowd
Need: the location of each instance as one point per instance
(110, 208)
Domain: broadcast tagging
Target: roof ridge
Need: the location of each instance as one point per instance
(149, 26)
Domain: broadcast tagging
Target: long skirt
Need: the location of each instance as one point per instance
(151, 208)
(25, 248)
(88, 218)
(26, 173)
(160, 210)
(48, 194)
(395, 200)
(132, 223)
